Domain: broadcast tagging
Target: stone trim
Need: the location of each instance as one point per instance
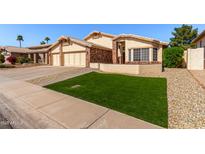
(143, 62)
(87, 57)
(67, 52)
(114, 52)
(61, 54)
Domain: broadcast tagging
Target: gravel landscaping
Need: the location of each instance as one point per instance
(4, 124)
(186, 99)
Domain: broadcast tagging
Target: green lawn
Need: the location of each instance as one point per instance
(141, 97)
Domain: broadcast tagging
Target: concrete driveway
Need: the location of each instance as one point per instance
(38, 72)
(29, 105)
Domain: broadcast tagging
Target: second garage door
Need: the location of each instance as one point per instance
(56, 60)
(75, 59)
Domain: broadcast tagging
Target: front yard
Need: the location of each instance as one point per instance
(141, 97)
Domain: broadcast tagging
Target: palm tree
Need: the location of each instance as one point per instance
(47, 39)
(42, 42)
(20, 39)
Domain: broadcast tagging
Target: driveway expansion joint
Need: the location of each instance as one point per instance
(98, 118)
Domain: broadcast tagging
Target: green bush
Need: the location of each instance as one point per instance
(22, 60)
(2, 58)
(6, 66)
(173, 57)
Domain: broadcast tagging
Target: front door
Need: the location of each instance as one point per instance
(123, 57)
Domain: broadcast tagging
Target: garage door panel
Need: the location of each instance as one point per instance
(71, 59)
(56, 60)
(82, 59)
(75, 59)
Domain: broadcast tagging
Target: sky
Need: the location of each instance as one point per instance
(35, 33)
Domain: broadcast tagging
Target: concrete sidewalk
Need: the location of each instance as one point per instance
(32, 106)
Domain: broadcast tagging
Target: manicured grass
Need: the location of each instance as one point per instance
(141, 97)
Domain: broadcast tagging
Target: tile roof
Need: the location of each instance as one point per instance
(202, 34)
(79, 41)
(140, 37)
(14, 49)
(40, 46)
(98, 32)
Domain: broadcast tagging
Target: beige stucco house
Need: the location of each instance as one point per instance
(69, 51)
(38, 54)
(196, 56)
(99, 47)
(199, 41)
(128, 48)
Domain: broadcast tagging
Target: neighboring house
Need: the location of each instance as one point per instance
(38, 54)
(97, 47)
(196, 57)
(199, 41)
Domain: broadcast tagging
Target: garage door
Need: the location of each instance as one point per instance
(75, 59)
(56, 60)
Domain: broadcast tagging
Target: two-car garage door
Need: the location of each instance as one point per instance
(71, 59)
(75, 59)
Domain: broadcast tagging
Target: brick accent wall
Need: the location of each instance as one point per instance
(100, 56)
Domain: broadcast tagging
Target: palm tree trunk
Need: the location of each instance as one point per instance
(20, 43)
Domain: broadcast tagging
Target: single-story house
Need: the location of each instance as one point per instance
(196, 56)
(69, 51)
(199, 41)
(38, 54)
(95, 48)
(130, 49)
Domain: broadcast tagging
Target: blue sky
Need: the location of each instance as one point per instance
(34, 34)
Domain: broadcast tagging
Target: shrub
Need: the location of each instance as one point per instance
(2, 58)
(6, 66)
(173, 57)
(11, 59)
(22, 60)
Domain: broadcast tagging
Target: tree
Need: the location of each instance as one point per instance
(42, 42)
(47, 39)
(20, 39)
(173, 57)
(183, 36)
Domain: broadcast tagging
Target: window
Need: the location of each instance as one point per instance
(200, 44)
(136, 56)
(155, 54)
(130, 55)
(141, 54)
